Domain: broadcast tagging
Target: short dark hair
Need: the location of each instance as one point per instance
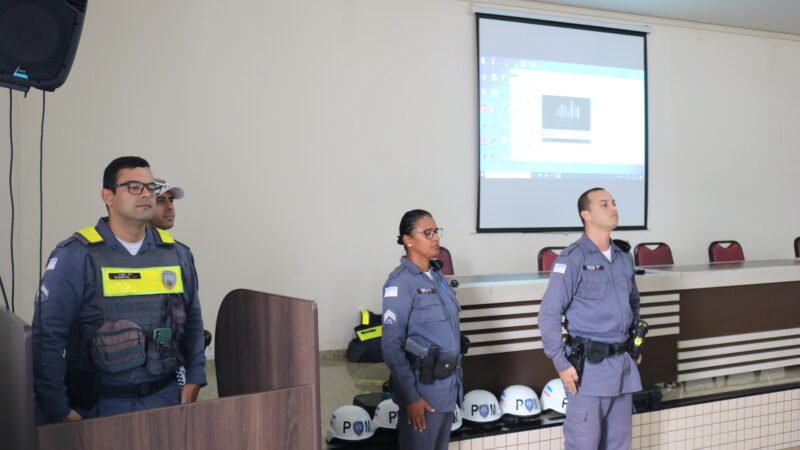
(110, 175)
(408, 221)
(583, 201)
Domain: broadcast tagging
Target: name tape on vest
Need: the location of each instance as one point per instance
(120, 282)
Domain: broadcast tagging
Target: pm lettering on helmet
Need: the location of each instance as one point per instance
(527, 403)
(484, 410)
(358, 427)
(169, 278)
(392, 416)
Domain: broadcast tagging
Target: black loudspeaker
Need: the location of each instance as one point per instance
(38, 41)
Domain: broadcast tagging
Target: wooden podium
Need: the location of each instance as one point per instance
(268, 373)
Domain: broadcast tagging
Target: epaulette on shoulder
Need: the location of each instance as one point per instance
(397, 271)
(163, 238)
(87, 236)
(71, 240)
(623, 245)
(571, 248)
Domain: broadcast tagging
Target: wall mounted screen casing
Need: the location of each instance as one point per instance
(562, 108)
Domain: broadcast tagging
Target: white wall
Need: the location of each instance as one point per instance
(302, 131)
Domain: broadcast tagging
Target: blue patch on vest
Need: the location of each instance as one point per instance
(169, 278)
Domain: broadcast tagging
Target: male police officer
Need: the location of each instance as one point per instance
(164, 218)
(117, 311)
(592, 285)
(164, 213)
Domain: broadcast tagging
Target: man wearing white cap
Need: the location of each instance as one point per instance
(164, 216)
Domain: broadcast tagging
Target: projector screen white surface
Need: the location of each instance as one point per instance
(562, 109)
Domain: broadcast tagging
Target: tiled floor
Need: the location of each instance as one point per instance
(341, 381)
(767, 421)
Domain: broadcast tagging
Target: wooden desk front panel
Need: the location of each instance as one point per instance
(275, 420)
(507, 346)
(738, 329)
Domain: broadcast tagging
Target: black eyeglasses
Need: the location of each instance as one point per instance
(431, 232)
(136, 187)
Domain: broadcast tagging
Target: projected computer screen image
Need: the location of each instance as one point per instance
(562, 109)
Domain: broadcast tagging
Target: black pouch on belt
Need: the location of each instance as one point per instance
(596, 351)
(446, 365)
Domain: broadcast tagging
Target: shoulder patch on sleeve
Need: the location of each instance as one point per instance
(42, 294)
(559, 268)
(389, 317)
(390, 291)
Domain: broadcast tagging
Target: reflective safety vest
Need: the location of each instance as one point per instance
(131, 327)
(368, 328)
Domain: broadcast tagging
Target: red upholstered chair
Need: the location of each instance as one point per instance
(797, 247)
(725, 251)
(547, 256)
(447, 260)
(652, 254)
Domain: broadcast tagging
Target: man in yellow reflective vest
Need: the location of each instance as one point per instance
(118, 311)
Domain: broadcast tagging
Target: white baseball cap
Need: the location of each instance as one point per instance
(164, 187)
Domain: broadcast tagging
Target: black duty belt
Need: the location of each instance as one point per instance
(133, 390)
(597, 350)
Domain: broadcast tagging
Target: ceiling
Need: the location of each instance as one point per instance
(781, 16)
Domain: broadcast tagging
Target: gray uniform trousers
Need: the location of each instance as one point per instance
(598, 422)
(435, 436)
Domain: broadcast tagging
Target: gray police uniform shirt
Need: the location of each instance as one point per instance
(69, 281)
(426, 310)
(600, 301)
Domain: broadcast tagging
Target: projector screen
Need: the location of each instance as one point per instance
(562, 109)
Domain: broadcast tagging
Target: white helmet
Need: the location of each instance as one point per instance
(456, 420)
(554, 396)
(519, 400)
(386, 414)
(480, 406)
(350, 423)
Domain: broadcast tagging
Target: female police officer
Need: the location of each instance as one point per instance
(421, 338)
